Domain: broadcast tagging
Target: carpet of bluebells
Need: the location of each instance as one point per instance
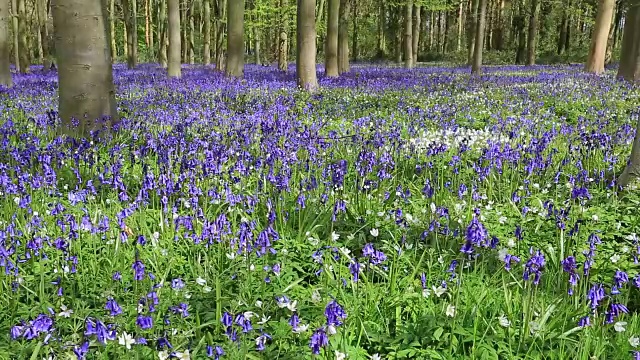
(396, 214)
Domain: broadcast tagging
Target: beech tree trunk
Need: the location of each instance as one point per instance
(283, 51)
(206, 41)
(86, 92)
(5, 58)
(112, 30)
(598, 50)
(331, 51)
(235, 38)
(408, 35)
(343, 37)
(476, 68)
(163, 39)
(23, 48)
(174, 69)
(306, 45)
(533, 31)
(131, 24)
(16, 40)
(415, 34)
(630, 70)
(471, 30)
(191, 37)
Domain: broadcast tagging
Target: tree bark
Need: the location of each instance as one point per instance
(415, 34)
(283, 51)
(112, 30)
(476, 68)
(130, 14)
(331, 52)
(206, 40)
(471, 30)
(408, 34)
(343, 36)
(191, 37)
(381, 53)
(354, 38)
(5, 57)
(23, 48)
(16, 37)
(598, 49)
(629, 68)
(174, 68)
(533, 31)
(163, 40)
(235, 38)
(86, 91)
(306, 45)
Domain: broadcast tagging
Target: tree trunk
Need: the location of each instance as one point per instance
(152, 40)
(408, 34)
(331, 51)
(283, 50)
(415, 34)
(343, 37)
(354, 19)
(381, 53)
(306, 45)
(533, 30)
(460, 27)
(191, 38)
(174, 69)
(562, 34)
(235, 38)
(206, 40)
(471, 30)
(629, 68)
(163, 40)
(598, 49)
(476, 68)
(112, 30)
(23, 48)
(616, 26)
(86, 91)
(519, 23)
(5, 58)
(221, 13)
(130, 13)
(16, 37)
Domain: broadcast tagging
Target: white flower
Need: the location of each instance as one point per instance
(504, 322)
(315, 296)
(511, 243)
(264, 320)
(163, 355)
(331, 330)
(619, 326)
(249, 314)
(595, 217)
(207, 289)
(433, 207)
(502, 253)
(534, 327)
(126, 340)
(259, 303)
(426, 293)
(440, 259)
(615, 258)
(292, 305)
(345, 251)
(502, 219)
(65, 312)
(301, 328)
(376, 357)
(374, 232)
(340, 356)
(200, 281)
(231, 256)
(334, 236)
(313, 241)
(154, 238)
(451, 310)
(439, 290)
(252, 267)
(183, 356)
(634, 341)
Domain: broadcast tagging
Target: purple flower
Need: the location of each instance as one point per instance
(144, 322)
(100, 330)
(595, 295)
(569, 266)
(534, 266)
(81, 351)
(261, 341)
(319, 339)
(216, 351)
(334, 313)
(113, 307)
(138, 270)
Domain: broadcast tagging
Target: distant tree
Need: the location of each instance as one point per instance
(598, 49)
(86, 92)
(533, 32)
(235, 38)
(408, 35)
(5, 58)
(343, 36)
(129, 7)
(23, 30)
(306, 45)
(174, 69)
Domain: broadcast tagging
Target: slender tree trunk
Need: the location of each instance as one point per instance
(45, 34)
(235, 38)
(306, 45)
(130, 14)
(112, 30)
(598, 49)
(5, 58)
(343, 36)
(86, 90)
(331, 52)
(206, 40)
(174, 69)
(39, 21)
(415, 34)
(184, 33)
(220, 33)
(381, 53)
(283, 50)
(191, 39)
(616, 26)
(471, 30)
(152, 40)
(163, 40)
(476, 68)
(256, 36)
(16, 37)
(533, 30)
(354, 19)
(408, 34)
(24, 45)
(125, 38)
(460, 27)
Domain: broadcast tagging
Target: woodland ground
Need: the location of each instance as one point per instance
(396, 214)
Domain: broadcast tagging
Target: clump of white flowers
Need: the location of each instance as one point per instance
(454, 138)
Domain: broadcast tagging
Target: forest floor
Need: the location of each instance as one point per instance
(395, 214)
